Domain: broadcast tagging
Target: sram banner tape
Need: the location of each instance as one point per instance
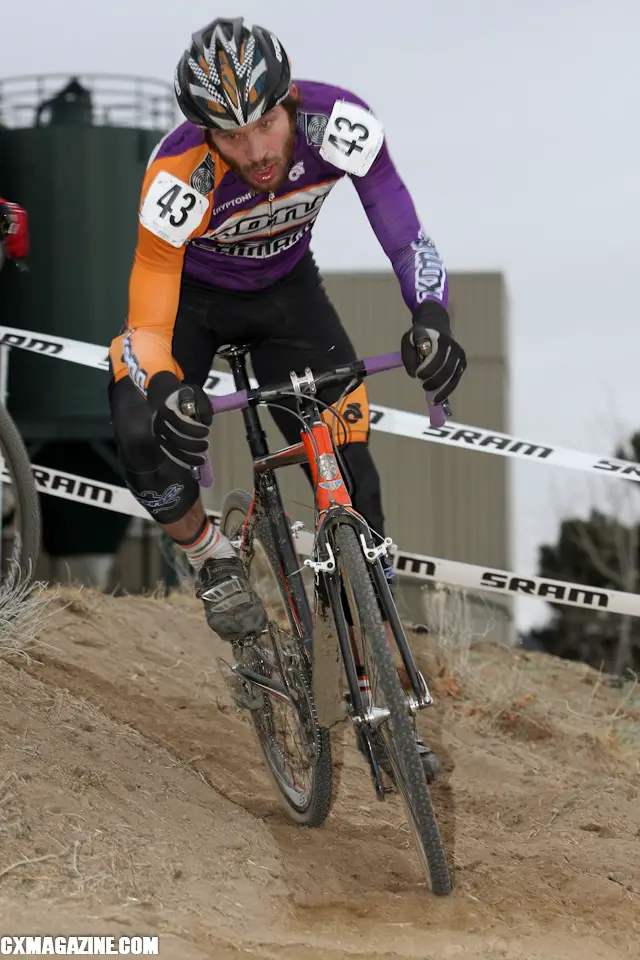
(401, 423)
(416, 566)
(385, 419)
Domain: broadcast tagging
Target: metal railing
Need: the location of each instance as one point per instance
(111, 100)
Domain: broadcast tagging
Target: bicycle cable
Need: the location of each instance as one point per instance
(337, 416)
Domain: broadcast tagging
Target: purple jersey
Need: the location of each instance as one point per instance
(252, 239)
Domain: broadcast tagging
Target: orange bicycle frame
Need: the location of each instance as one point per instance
(316, 448)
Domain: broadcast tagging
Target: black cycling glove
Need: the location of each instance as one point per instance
(430, 353)
(184, 439)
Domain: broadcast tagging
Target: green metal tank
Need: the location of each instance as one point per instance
(73, 152)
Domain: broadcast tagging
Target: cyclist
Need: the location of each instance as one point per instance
(14, 230)
(227, 206)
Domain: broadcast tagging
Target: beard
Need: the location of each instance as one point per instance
(281, 163)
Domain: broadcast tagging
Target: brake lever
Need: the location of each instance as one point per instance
(204, 474)
(438, 413)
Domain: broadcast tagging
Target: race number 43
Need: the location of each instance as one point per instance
(352, 139)
(172, 210)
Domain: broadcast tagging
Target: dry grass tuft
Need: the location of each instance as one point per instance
(12, 826)
(455, 628)
(514, 693)
(26, 609)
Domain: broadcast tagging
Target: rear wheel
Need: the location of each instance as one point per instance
(19, 505)
(396, 731)
(296, 749)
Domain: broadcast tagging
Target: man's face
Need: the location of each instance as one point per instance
(260, 153)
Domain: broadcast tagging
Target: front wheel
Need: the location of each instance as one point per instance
(19, 505)
(396, 731)
(296, 749)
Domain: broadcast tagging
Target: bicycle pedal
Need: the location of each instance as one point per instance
(239, 688)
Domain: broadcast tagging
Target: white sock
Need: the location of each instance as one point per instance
(209, 543)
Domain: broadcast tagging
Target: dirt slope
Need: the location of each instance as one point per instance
(135, 791)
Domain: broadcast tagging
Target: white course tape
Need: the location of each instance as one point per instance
(385, 419)
(109, 496)
(94, 493)
(91, 355)
(76, 351)
(487, 579)
(466, 437)
(415, 566)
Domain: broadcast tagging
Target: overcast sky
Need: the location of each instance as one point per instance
(514, 124)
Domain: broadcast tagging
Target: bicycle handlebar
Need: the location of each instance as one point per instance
(242, 399)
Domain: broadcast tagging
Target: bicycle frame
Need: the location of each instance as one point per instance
(333, 505)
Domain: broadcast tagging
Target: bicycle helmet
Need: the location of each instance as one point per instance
(231, 76)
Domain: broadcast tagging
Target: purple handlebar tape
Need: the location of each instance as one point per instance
(437, 415)
(224, 404)
(390, 361)
(229, 402)
(386, 361)
(205, 474)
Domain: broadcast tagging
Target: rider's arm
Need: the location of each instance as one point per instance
(144, 348)
(391, 213)
(154, 292)
(385, 198)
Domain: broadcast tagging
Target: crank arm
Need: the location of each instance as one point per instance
(270, 686)
(376, 775)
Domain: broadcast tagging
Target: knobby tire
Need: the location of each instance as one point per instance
(397, 731)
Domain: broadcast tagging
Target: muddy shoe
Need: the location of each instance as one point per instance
(232, 607)
(378, 749)
(430, 763)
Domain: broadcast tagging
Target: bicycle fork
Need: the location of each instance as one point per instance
(419, 696)
(364, 714)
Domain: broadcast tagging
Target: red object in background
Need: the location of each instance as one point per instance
(14, 230)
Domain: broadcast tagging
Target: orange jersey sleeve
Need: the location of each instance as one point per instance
(171, 214)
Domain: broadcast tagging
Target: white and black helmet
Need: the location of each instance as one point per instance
(231, 76)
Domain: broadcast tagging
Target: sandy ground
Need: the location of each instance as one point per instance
(133, 800)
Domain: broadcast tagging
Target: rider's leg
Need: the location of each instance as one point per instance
(306, 332)
(172, 497)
